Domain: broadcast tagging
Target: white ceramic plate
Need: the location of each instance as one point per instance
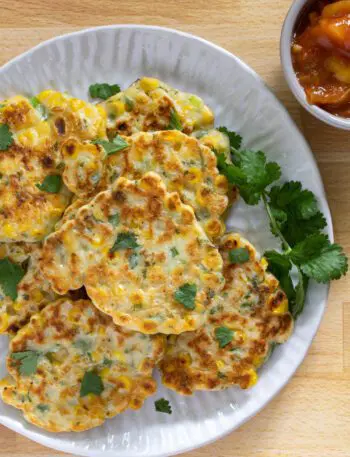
(240, 101)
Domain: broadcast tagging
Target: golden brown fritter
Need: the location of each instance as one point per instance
(71, 368)
(245, 320)
(151, 105)
(137, 249)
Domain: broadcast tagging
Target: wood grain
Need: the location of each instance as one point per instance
(311, 417)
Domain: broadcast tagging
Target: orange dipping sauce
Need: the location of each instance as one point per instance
(321, 55)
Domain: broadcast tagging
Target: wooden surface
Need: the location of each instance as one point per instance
(311, 416)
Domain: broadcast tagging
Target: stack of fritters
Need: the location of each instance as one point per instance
(122, 202)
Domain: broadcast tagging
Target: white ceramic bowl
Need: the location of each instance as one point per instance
(286, 59)
(242, 102)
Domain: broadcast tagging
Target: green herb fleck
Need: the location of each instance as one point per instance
(175, 121)
(186, 295)
(103, 90)
(83, 345)
(10, 276)
(239, 255)
(6, 138)
(174, 252)
(163, 406)
(51, 184)
(107, 362)
(114, 219)
(43, 408)
(35, 102)
(129, 103)
(224, 336)
(133, 260)
(91, 384)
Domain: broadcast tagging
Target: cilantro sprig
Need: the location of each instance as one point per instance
(111, 147)
(186, 295)
(294, 217)
(103, 90)
(163, 406)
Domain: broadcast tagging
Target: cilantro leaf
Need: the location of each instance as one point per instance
(297, 305)
(163, 406)
(296, 211)
(35, 102)
(125, 240)
(28, 361)
(319, 259)
(103, 90)
(235, 139)
(239, 255)
(51, 184)
(6, 138)
(223, 335)
(91, 384)
(114, 219)
(186, 295)
(233, 173)
(175, 121)
(280, 266)
(113, 146)
(107, 362)
(10, 276)
(259, 173)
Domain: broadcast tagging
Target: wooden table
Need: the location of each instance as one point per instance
(311, 417)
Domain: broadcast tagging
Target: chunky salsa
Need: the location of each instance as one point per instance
(321, 55)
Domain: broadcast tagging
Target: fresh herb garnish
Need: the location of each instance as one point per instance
(113, 146)
(223, 336)
(125, 240)
(114, 219)
(294, 218)
(91, 384)
(6, 138)
(175, 121)
(103, 90)
(235, 139)
(28, 361)
(35, 102)
(186, 295)
(163, 406)
(174, 252)
(239, 255)
(10, 275)
(51, 184)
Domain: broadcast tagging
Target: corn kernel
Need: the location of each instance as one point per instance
(282, 308)
(125, 381)
(220, 364)
(8, 231)
(253, 378)
(194, 175)
(119, 356)
(148, 84)
(4, 322)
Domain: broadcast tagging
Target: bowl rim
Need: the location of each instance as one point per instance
(37, 435)
(289, 73)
